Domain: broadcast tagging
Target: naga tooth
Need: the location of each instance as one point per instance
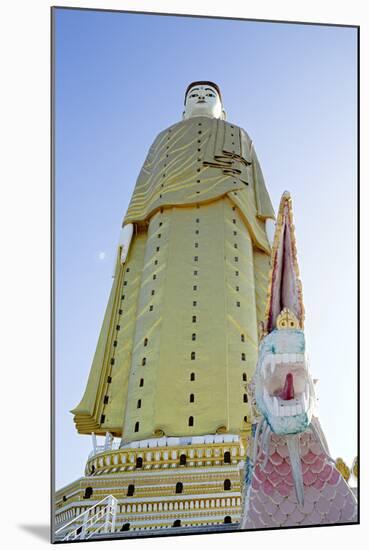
(265, 396)
(275, 406)
(307, 396)
(304, 402)
(293, 410)
(272, 363)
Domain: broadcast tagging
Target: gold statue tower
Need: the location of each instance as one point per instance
(179, 340)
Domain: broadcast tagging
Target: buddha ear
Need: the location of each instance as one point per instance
(223, 116)
(183, 115)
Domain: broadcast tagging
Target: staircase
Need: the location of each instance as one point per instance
(98, 519)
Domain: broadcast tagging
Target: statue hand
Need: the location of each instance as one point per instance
(125, 241)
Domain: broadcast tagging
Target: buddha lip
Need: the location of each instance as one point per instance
(201, 101)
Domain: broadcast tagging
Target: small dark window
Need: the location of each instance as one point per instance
(243, 356)
(192, 398)
(125, 283)
(197, 232)
(196, 258)
(235, 245)
(154, 277)
(234, 221)
(245, 399)
(64, 498)
(196, 245)
(109, 380)
(197, 220)
(144, 361)
(145, 342)
(93, 469)
(88, 492)
(123, 296)
(238, 304)
(195, 272)
(193, 355)
(125, 527)
(128, 270)
(244, 377)
(194, 318)
(160, 224)
(141, 382)
(179, 487)
(139, 462)
(151, 308)
(236, 258)
(242, 337)
(106, 399)
(79, 530)
(115, 343)
(194, 304)
(139, 404)
(137, 426)
(194, 287)
(227, 519)
(194, 336)
(156, 262)
(227, 485)
(157, 248)
(131, 490)
(112, 361)
(102, 419)
(227, 457)
(177, 523)
(190, 421)
(159, 235)
(152, 292)
(192, 377)
(245, 418)
(182, 459)
(120, 311)
(235, 233)
(233, 208)
(118, 327)
(237, 273)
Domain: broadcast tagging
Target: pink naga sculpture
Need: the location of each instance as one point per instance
(290, 477)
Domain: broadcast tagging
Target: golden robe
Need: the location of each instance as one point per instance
(179, 338)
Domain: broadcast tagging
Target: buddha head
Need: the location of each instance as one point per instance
(203, 98)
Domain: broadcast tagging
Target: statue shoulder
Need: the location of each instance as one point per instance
(243, 132)
(164, 132)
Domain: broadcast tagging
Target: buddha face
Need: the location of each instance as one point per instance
(203, 101)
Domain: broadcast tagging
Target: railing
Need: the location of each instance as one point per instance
(114, 446)
(92, 521)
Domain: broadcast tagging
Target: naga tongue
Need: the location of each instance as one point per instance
(288, 391)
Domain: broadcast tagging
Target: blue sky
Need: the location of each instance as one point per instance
(120, 79)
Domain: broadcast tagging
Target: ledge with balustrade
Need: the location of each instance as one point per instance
(166, 453)
(161, 513)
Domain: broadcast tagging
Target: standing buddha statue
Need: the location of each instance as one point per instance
(179, 339)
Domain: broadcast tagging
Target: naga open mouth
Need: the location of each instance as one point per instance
(286, 389)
